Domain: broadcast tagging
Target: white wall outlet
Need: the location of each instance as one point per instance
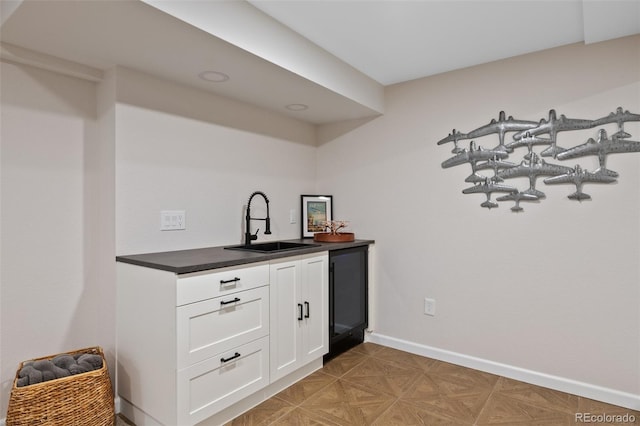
(429, 307)
(292, 216)
(172, 220)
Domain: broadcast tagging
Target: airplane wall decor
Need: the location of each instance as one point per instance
(527, 134)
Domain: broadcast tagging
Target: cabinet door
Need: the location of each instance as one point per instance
(315, 294)
(284, 312)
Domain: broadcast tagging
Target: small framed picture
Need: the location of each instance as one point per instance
(315, 210)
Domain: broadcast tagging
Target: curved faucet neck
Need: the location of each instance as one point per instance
(258, 193)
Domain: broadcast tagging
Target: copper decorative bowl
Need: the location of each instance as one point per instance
(327, 237)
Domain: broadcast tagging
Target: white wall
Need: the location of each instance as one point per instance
(554, 289)
(51, 294)
(180, 149)
(65, 144)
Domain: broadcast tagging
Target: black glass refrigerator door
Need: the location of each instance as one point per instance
(348, 297)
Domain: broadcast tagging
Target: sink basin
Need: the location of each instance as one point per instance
(272, 247)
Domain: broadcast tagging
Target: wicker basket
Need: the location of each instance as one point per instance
(84, 399)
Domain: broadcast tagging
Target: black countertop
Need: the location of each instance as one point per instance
(202, 259)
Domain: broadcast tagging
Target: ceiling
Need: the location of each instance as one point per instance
(335, 57)
(395, 41)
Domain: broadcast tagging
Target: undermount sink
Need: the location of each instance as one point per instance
(272, 247)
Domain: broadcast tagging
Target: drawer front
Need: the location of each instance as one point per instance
(207, 328)
(214, 384)
(206, 285)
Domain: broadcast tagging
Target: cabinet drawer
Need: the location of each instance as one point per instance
(206, 285)
(212, 326)
(212, 385)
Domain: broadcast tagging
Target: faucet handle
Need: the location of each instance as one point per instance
(254, 236)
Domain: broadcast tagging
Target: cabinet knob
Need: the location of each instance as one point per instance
(306, 305)
(233, 280)
(300, 312)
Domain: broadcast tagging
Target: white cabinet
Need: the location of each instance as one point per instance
(299, 298)
(189, 346)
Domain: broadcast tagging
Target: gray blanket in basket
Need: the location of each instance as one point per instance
(64, 365)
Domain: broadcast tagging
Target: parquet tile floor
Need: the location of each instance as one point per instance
(381, 386)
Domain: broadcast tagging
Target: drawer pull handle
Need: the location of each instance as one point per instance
(233, 280)
(226, 302)
(300, 312)
(236, 355)
(306, 304)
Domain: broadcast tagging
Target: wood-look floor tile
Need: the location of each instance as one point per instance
(425, 387)
(346, 403)
(402, 413)
(460, 380)
(264, 414)
(502, 410)
(383, 375)
(341, 364)
(302, 417)
(406, 358)
(367, 348)
(449, 397)
(537, 395)
(300, 391)
(478, 378)
(373, 384)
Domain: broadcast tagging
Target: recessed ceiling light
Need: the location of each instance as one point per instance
(213, 76)
(297, 107)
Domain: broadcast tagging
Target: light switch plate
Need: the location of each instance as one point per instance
(172, 220)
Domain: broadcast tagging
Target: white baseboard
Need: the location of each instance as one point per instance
(587, 390)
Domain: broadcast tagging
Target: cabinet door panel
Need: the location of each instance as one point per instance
(212, 385)
(315, 292)
(216, 325)
(284, 323)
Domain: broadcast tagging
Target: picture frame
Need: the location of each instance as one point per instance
(314, 209)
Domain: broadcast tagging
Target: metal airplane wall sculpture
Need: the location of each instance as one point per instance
(602, 147)
(533, 168)
(552, 127)
(619, 117)
(489, 187)
(526, 134)
(472, 156)
(577, 176)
